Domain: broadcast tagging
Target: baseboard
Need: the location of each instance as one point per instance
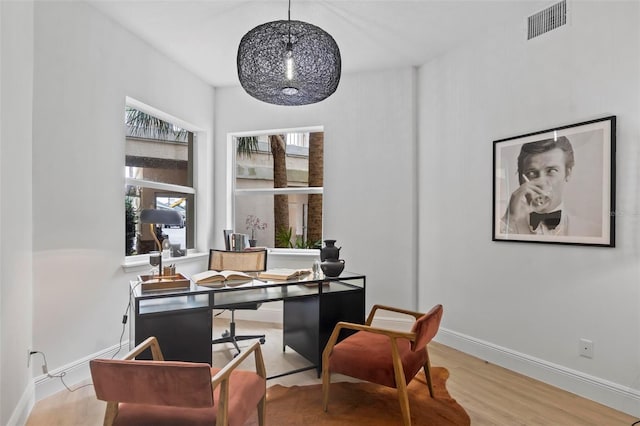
(74, 372)
(614, 395)
(605, 392)
(23, 408)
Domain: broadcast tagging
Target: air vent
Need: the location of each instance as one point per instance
(546, 20)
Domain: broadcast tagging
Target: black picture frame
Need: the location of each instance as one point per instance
(534, 172)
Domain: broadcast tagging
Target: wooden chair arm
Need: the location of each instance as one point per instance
(222, 379)
(156, 353)
(225, 372)
(375, 308)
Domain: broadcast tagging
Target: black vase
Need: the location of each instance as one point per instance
(329, 251)
(332, 267)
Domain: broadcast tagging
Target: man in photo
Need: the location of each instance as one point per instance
(536, 206)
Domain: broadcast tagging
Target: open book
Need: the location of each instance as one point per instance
(219, 278)
(283, 274)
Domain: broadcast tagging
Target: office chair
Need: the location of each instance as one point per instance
(243, 261)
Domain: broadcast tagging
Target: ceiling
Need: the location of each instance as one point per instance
(203, 35)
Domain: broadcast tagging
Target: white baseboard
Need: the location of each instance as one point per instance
(23, 408)
(74, 372)
(611, 394)
(614, 395)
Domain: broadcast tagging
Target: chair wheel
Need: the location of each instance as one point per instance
(226, 333)
(262, 341)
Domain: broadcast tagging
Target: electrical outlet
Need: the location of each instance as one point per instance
(586, 348)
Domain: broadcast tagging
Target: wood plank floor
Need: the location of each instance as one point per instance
(490, 394)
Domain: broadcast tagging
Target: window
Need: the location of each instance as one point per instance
(158, 174)
(278, 181)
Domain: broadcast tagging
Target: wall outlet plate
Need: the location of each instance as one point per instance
(586, 348)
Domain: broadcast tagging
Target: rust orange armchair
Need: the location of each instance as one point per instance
(162, 393)
(386, 357)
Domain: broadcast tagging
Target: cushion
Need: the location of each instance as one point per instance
(246, 388)
(367, 356)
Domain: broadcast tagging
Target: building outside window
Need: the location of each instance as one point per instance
(158, 174)
(278, 187)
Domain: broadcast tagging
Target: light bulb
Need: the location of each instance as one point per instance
(289, 62)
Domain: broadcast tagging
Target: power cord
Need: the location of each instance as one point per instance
(125, 317)
(45, 370)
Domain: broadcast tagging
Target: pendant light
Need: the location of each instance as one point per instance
(289, 63)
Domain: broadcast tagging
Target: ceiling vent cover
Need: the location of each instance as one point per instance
(546, 20)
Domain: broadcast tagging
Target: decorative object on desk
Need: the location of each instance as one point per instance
(213, 278)
(239, 242)
(163, 282)
(154, 260)
(329, 251)
(254, 223)
(288, 63)
(283, 274)
(176, 251)
(159, 217)
(365, 404)
(169, 270)
(227, 238)
(332, 267)
(316, 268)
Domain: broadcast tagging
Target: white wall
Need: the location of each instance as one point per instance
(16, 88)
(527, 305)
(85, 65)
(369, 181)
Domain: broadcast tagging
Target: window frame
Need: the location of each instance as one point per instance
(231, 190)
(190, 191)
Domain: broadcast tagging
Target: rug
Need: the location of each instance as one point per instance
(364, 403)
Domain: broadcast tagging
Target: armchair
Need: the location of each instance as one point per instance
(386, 357)
(162, 393)
(243, 261)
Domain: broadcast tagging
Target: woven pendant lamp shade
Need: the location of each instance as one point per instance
(262, 64)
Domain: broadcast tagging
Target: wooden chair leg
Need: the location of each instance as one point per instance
(262, 410)
(401, 384)
(403, 398)
(427, 374)
(326, 382)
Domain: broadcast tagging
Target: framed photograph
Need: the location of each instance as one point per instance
(557, 185)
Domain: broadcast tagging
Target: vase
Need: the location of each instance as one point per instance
(332, 267)
(329, 251)
(252, 243)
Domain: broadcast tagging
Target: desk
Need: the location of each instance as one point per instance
(182, 319)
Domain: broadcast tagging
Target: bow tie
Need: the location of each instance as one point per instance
(551, 220)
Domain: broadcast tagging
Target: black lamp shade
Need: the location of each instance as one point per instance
(160, 217)
(262, 68)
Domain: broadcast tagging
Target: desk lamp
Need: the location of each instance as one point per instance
(159, 217)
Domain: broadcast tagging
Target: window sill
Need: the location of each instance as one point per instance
(294, 252)
(141, 262)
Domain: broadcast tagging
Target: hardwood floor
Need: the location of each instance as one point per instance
(490, 394)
